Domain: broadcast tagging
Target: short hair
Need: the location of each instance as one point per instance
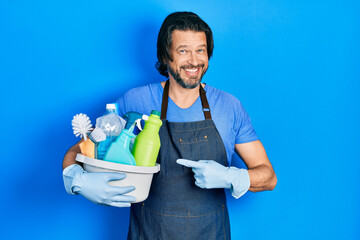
(179, 21)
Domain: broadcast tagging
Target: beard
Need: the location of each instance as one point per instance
(194, 81)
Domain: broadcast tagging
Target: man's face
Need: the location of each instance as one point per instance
(190, 58)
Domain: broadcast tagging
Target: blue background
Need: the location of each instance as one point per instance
(295, 66)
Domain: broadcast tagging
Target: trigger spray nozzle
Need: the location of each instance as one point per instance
(138, 121)
(134, 119)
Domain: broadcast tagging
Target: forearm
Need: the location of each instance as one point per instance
(262, 178)
(70, 156)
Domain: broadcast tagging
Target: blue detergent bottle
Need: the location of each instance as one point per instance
(119, 151)
(110, 123)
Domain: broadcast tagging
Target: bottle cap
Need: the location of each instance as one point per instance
(110, 106)
(157, 113)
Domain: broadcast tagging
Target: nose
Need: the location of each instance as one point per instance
(193, 59)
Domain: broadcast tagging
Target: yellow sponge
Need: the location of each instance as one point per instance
(88, 148)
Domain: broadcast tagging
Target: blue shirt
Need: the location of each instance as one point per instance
(229, 116)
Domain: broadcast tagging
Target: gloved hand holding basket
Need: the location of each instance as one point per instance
(109, 150)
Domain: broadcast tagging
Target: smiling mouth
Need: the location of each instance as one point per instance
(192, 70)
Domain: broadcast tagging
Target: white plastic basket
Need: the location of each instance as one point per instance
(138, 176)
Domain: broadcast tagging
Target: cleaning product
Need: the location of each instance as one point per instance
(111, 124)
(88, 148)
(119, 151)
(147, 143)
(97, 135)
(134, 117)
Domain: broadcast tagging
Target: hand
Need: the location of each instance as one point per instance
(210, 174)
(95, 187)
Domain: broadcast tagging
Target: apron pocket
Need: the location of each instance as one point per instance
(194, 148)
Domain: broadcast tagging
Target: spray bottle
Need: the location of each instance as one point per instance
(119, 150)
(134, 117)
(147, 143)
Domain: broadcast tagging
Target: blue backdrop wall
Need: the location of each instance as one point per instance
(295, 66)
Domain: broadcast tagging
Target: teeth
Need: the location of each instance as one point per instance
(191, 70)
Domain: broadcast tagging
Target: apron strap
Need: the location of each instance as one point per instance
(165, 98)
(204, 102)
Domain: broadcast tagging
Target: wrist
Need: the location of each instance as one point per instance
(70, 175)
(240, 181)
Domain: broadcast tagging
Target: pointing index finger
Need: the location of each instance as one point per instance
(188, 163)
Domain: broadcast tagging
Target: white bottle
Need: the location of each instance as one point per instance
(112, 125)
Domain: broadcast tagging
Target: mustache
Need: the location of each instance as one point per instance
(193, 66)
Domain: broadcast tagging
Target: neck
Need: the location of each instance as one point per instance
(182, 97)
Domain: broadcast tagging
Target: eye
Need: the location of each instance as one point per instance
(182, 51)
(201, 50)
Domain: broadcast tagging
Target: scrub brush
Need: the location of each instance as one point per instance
(81, 125)
(97, 135)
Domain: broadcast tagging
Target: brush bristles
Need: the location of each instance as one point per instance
(81, 125)
(97, 135)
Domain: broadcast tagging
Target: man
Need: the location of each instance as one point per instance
(202, 127)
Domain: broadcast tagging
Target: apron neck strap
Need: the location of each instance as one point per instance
(204, 101)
